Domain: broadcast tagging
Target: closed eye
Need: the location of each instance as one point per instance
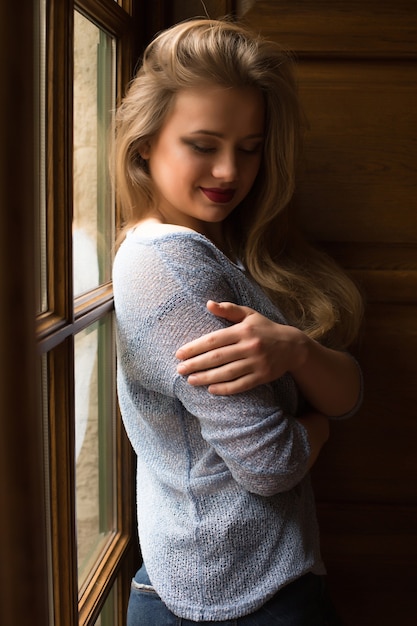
(200, 148)
(252, 150)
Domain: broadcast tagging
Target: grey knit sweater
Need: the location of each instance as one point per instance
(226, 512)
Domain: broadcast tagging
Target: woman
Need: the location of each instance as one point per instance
(206, 147)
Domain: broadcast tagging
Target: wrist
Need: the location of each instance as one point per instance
(301, 351)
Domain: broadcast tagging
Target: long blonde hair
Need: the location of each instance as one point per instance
(313, 292)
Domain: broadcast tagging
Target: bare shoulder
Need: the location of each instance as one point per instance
(153, 227)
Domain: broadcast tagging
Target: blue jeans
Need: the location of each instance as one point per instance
(302, 603)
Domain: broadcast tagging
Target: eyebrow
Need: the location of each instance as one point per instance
(211, 133)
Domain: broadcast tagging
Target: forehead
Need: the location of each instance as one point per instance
(217, 108)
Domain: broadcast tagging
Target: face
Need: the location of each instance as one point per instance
(204, 160)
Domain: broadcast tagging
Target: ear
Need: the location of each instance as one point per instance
(145, 150)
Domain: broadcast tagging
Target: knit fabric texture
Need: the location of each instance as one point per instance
(226, 512)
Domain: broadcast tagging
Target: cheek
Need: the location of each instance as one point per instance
(165, 167)
(179, 164)
(189, 169)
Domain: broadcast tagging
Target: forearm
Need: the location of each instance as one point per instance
(330, 380)
(255, 351)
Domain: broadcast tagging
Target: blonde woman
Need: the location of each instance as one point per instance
(231, 335)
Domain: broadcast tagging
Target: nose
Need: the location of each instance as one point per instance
(225, 166)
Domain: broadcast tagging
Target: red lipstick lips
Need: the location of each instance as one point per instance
(220, 196)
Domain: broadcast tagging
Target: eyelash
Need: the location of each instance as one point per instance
(255, 150)
(203, 150)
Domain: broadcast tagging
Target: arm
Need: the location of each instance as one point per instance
(255, 351)
(255, 434)
(317, 427)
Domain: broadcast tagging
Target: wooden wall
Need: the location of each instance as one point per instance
(23, 561)
(358, 196)
(184, 9)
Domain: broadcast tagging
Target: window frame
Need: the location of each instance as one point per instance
(37, 478)
(65, 317)
(23, 563)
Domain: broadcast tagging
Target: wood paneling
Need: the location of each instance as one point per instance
(23, 538)
(371, 457)
(360, 178)
(371, 585)
(338, 27)
(357, 196)
(184, 9)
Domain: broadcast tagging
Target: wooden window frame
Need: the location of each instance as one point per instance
(65, 317)
(23, 563)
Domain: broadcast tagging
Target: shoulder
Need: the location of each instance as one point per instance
(177, 248)
(159, 266)
(152, 228)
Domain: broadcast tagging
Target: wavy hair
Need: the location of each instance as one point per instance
(314, 293)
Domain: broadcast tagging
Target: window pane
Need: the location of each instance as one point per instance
(108, 615)
(41, 249)
(95, 443)
(94, 88)
(44, 411)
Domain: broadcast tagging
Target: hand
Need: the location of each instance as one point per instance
(256, 351)
(252, 352)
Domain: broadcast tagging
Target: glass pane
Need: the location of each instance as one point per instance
(43, 391)
(94, 101)
(41, 244)
(108, 615)
(94, 443)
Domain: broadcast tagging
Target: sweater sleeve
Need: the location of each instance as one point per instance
(160, 301)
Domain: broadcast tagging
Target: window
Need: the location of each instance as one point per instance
(67, 527)
(84, 61)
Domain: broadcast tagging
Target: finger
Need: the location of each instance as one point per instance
(222, 337)
(217, 339)
(233, 387)
(229, 311)
(224, 374)
(210, 360)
